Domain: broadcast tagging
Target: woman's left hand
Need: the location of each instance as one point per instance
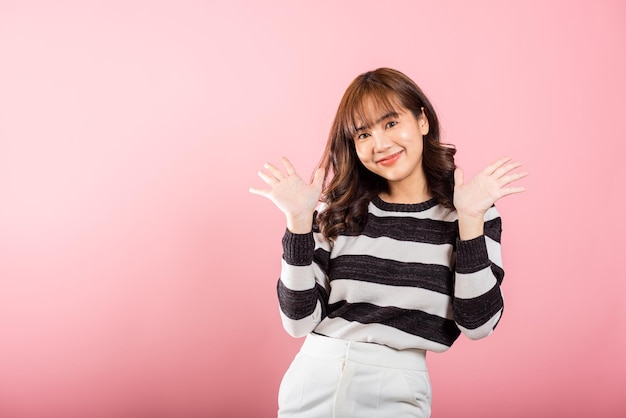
(485, 188)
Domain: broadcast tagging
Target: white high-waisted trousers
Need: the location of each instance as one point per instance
(337, 378)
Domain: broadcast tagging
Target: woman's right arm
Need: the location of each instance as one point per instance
(303, 284)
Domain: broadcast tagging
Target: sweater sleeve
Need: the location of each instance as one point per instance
(478, 302)
(303, 286)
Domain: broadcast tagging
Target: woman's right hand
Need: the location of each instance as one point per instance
(292, 195)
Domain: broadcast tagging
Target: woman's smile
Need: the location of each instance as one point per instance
(390, 159)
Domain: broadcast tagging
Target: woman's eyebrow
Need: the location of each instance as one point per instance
(391, 114)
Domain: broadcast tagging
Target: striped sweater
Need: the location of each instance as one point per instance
(407, 281)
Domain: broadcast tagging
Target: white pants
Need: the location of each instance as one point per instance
(342, 379)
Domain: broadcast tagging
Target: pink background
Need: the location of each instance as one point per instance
(137, 274)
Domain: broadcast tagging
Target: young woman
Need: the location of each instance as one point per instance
(401, 257)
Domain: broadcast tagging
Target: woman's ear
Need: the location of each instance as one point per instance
(422, 123)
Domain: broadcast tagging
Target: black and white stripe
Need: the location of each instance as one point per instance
(406, 281)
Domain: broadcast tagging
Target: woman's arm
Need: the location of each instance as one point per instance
(303, 285)
(478, 302)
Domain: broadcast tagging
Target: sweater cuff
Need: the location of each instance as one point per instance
(298, 249)
(472, 255)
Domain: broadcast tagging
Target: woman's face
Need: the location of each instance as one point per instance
(392, 146)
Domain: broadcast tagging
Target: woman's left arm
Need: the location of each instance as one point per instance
(478, 302)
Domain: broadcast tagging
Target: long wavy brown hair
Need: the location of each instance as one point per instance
(352, 186)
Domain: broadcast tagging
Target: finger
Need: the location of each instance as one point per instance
(260, 192)
(502, 170)
(511, 190)
(318, 178)
(288, 166)
(267, 178)
(458, 177)
(503, 181)
(274, 170)
(491, 168)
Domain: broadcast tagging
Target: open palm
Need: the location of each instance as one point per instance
(485, 188)
(292, 195)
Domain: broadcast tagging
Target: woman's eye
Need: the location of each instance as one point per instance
(391, 124)
(362, 136)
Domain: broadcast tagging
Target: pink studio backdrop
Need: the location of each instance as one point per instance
(137, 274)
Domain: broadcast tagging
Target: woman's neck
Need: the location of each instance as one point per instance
(406, 193)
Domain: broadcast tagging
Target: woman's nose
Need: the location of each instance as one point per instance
(381, 142)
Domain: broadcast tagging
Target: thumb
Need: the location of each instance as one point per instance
(318, 178)
(458, 177)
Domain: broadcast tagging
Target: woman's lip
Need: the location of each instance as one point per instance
(390, 159)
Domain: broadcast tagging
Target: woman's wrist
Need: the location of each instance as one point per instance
(470, 226)
(300, 224)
